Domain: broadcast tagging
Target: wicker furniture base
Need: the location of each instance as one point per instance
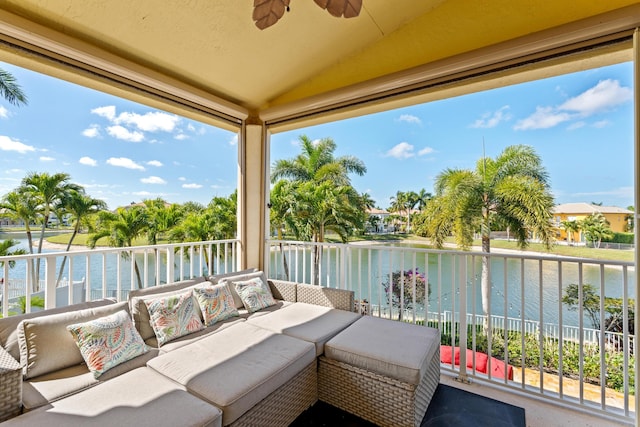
(284, 405)
(10, 386)
(382, 400)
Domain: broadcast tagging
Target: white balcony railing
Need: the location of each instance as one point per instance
(557, 354)
(29, 280)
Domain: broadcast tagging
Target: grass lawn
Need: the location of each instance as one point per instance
(81, 240)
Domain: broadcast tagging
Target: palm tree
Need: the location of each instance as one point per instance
(595, 228)
(22, 207)
(570, 227)
(5, 250)
(317, 163)
(316, 173)
(121, 229)
(423, 198)
(10, 90)
(80, 207)
(512, 187)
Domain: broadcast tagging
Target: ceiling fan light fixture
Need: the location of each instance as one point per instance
(268, 12)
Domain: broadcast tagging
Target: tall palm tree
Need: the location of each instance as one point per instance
(423, 198)
(121, 228)
(10, 90)
(22, 207)
(315, 173)
(5, 250)
(80, 206)
(513, 187)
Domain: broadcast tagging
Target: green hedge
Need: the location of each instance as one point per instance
(627, 238)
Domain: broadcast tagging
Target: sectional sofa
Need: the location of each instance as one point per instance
(233, 349)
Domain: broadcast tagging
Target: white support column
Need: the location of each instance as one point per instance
(253, 168)
(636, 116)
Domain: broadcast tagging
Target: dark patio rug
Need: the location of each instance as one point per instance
(449, 406)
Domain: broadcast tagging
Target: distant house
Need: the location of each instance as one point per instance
(616, 216)
(7, 221)
(383, 226)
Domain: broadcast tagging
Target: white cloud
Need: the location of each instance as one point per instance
(108, 112)
(125, 134)
(491, 120)
(604, 96)
(142, 193)
(620, 192)
(149, 122)
(191, 128)
(182, 178)
(234, 140)
(8, 144)
(576, 125)
(543, 118)
(194, 186)
(181, 136)
(87, 161)
(153, 180)
(425, 151)
(155, 163)
(4, 113)
(92, 131)
(404, 150)
(46, 159)
(409, 118)
(123, 162)
(601, 124)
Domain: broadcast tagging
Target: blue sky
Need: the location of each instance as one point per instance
(581, 125)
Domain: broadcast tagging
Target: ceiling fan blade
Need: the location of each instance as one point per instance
(338, 8)
(268, 12)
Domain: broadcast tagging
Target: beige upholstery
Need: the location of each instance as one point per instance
(328, 297)
(45, 343)
(244, 313)
(403, 354)
(59, 384)
(311, 323)
(236, 368)
(140, 398)
(188, 339)
(9, 325)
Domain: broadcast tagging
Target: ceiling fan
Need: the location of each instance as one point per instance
(268, 12)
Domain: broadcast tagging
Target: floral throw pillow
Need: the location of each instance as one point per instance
(216, 303)
(173, 316)
(107, 341)
(255, 294)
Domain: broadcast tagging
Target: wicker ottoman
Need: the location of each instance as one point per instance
(381, 370)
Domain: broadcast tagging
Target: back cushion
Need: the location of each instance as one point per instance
(139, 311)
(47, 346)
(9, 325)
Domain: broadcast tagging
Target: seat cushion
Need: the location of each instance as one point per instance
(236, 368)
(307, 322)
(48, 388)
(188, 339)
(394, 349)
(141, 397)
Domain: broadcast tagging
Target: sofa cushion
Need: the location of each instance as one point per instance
(9, 325)
(188, 339)
(236, 368)
(254, 293)
(142, 397)
(308, 322)
(216, 303)
(56, 385)
(239, 277)
(45, 343)
(394, 349)
(108, 341)
(138, 307)
(173, 316)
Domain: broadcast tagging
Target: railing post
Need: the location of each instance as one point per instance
(344, 252)
(462, 316)
(49, 282)
(171, 267)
